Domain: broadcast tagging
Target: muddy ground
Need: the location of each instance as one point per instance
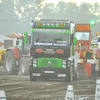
(19, 87)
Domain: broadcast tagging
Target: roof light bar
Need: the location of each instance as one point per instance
(39, 23)
(50, 24)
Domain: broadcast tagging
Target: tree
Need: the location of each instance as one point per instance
(48, 11)
(7, 10)
(61, 8)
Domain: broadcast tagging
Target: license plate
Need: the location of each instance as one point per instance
(49, 71)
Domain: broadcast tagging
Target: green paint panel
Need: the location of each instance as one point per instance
(32, 30)
(68, 31)
(50, 30)
(39, 46)
(53, 62)
(53, 47)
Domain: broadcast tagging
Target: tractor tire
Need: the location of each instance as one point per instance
(9, 64)
(24, 65)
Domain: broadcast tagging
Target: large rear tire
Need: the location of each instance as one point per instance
(24, 65)
(9, 64)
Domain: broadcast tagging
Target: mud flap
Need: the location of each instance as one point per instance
(68, 78)
(33, 78)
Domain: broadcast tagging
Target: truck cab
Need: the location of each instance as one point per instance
(51, 44)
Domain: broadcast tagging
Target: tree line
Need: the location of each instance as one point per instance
(16, 15)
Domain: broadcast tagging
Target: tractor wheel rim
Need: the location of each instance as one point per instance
(8, 63)
(23, 67)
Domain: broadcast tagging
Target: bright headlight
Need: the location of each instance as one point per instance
(34, 61)
(34, 65)
(64, 62)
(64, 66)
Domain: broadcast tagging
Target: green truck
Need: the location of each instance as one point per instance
(52, 45)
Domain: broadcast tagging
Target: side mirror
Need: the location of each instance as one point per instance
(25, 37)
(71, 39)
(75, 40)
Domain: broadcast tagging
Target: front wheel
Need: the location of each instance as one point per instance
(69, 75)
(24, 65)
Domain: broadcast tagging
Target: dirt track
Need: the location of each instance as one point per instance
(20, 88)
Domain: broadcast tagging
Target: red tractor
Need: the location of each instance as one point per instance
(16, 57)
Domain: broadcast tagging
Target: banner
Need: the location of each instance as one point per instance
(50, 44)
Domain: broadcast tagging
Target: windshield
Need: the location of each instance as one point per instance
(19, 40)
(51, 37)
(82, 35)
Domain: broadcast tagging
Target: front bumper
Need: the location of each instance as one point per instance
(48, 72)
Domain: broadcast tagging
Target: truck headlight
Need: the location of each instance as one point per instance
(34, 65)
(34, 61)
(64, 62)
